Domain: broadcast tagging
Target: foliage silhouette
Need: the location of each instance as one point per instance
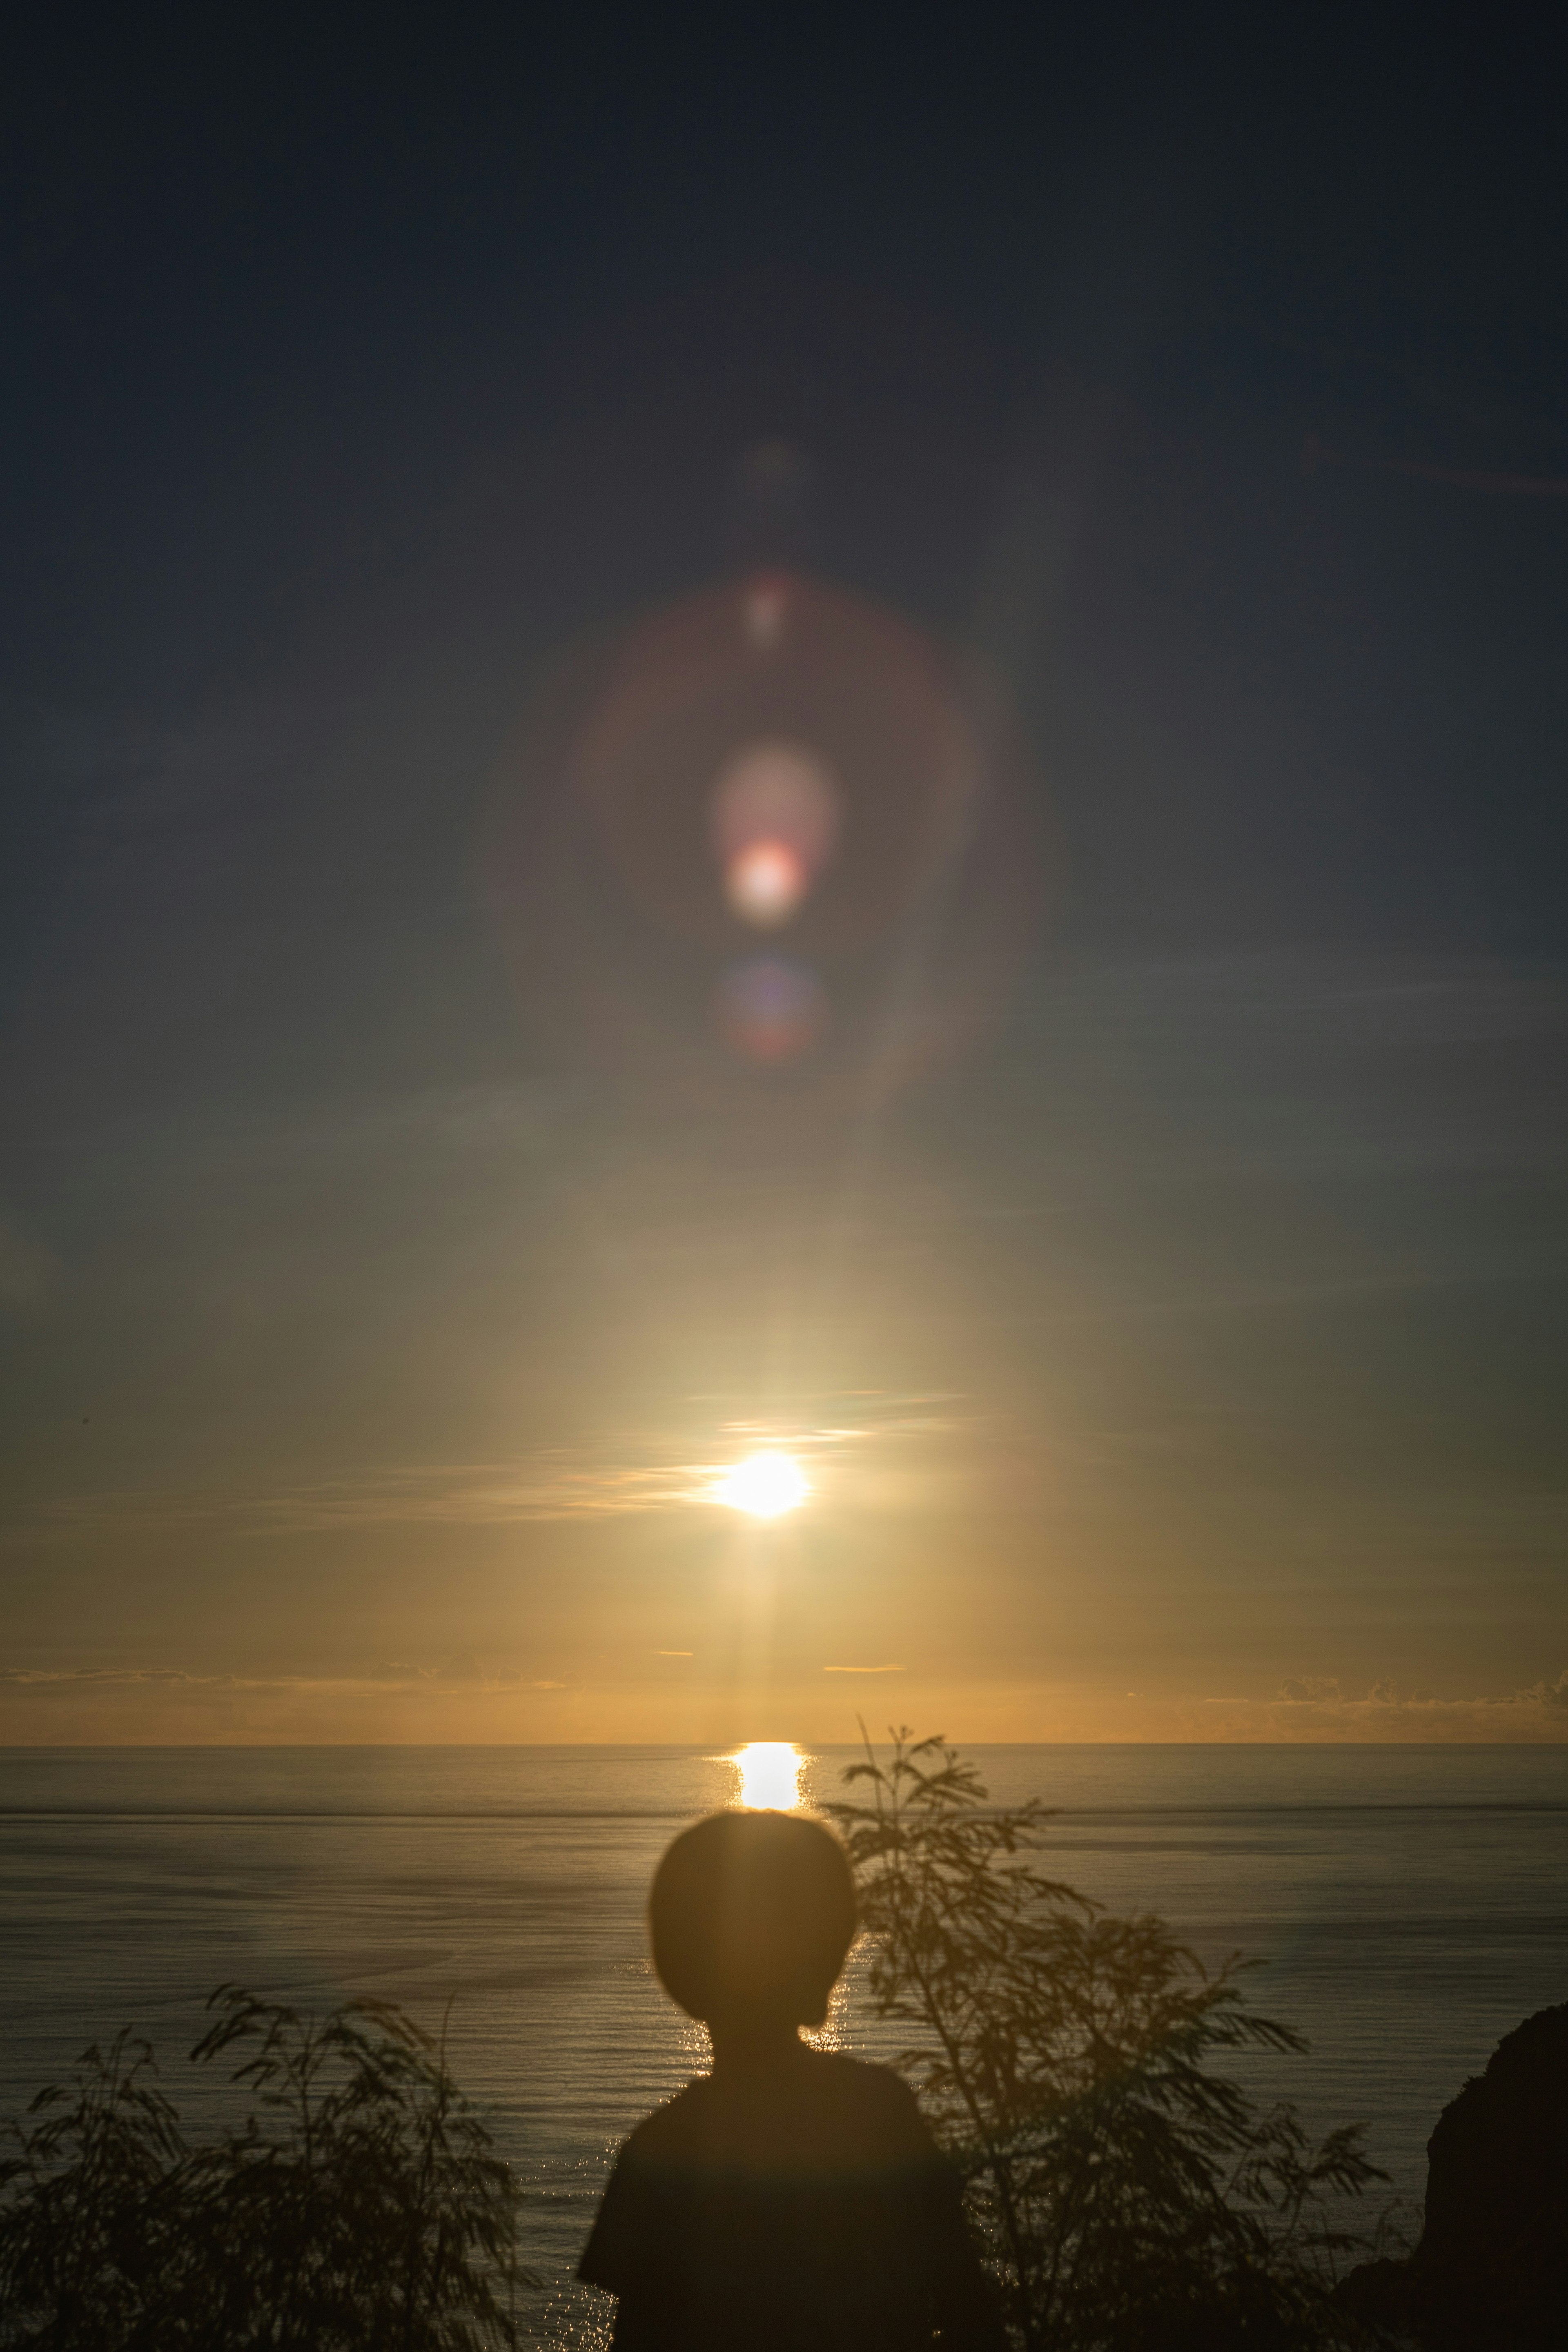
(1130, 2196)
(361, 2206)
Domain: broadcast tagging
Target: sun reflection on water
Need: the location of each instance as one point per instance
(769, 1772)
(833, 2033)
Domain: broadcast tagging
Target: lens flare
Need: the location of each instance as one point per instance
(775, 821)
(772, 767)
(765, 608)
(764, 1486)
(770, 1775)
(771, 1011)
(766, 882)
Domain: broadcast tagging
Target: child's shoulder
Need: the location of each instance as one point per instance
(859, 2083)
(849, 2100)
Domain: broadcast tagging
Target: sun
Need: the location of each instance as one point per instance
(764, 1486)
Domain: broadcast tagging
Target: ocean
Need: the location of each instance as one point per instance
(1409, 1906)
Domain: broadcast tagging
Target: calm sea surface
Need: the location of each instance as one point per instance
(1410, 1904)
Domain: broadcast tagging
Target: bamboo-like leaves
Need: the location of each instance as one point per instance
(360, 2208)
(1129, 2192)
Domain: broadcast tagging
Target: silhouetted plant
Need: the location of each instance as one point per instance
(89, 2200)
(361, 2206)
(1131, 2196)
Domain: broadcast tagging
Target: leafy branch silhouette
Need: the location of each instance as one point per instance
(1130, 2195)
(361, 2205)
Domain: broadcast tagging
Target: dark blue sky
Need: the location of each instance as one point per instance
(1200, 375)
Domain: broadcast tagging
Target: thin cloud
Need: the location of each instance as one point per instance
(1317, 1706)
(455, 1676)
(865, 1670)
(621, 1475)
(543, 1487)
(1323, 1690)
(45, 1679)
(462, 1673)
(553, 1485)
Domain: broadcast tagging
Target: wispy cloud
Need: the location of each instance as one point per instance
(551, 1486)
(554, 1485)
(1321, 1690)
(78, 1678)
(465, 1671)
(461, 1674)
(1318, 1707)
(613, 1476)
(865, 1670)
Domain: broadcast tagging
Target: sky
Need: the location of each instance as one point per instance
(1149, 1239)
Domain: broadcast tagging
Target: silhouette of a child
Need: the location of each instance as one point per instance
(790, 2198)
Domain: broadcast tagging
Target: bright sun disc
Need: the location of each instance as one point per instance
(764, 1486)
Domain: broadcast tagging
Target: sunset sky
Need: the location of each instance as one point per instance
(1153, 1260)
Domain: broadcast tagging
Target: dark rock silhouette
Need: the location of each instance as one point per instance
(1491, 2274)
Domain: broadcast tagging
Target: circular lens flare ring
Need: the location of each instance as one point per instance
(764, 1486)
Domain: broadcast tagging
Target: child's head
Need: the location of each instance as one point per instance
(752, 1915)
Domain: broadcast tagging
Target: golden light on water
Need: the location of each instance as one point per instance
(770, 1774)
(764, 1486)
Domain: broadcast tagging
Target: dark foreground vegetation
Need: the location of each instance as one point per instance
(1128, 2195)
(361, 2209)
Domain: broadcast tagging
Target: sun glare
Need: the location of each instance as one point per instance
(766, 882)
(764, 1485)
(770, 1774)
